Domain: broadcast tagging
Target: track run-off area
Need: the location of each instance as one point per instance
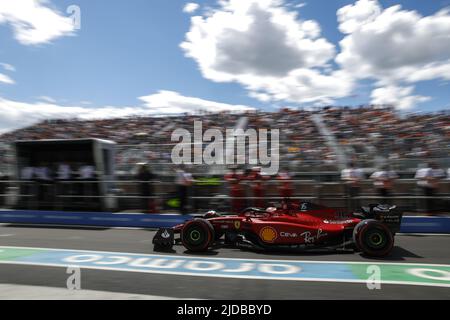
(123, 261)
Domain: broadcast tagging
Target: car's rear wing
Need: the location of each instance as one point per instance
(387, 214)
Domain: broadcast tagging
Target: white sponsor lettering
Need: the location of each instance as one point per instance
(83, 258)
(114, 260)
(195, 265)
(286, 269)
(156, 263)
(204, 265)
(288, 235)
(337, 221)
(309, 238)
(244, 267)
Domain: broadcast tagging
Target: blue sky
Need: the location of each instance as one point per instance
(129, 49)
(124, 49)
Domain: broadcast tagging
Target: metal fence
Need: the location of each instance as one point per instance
(124, 195)
(293, 155)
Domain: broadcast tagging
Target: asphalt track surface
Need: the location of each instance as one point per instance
(423, 249)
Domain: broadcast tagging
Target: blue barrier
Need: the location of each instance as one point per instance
(425, 225)
(137, 220)
(92, 219)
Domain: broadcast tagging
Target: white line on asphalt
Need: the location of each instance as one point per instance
(235, 259)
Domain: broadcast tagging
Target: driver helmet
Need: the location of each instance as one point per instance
(211, 213)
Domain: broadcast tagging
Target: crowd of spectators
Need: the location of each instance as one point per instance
(367, 134)
(371, 132)
(301, 143)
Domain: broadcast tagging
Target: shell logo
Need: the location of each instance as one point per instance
(268, 234)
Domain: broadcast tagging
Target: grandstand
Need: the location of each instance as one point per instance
(315, 145)
(310, 141)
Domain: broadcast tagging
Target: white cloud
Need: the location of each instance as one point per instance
(34, 22)
(430, 71)
(392, 43)
(6, 79)
(296, 5)
(300, 5)
(17, 114)
(302, 86)
(191, 7)
(170, 102)
(47, 99)
(266, 48)
(352, 17)
(401, 97)
(8, 67)
(264, 97)
(395, 47)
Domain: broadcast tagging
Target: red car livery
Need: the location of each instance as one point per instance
(293, 227)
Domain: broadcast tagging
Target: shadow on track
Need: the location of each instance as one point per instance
(397, 254)
(206, 253)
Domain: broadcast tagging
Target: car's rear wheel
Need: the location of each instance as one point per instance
(197, 235)
(355, 232)
(373, 238)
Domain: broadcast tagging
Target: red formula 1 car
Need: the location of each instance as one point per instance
(292, 226)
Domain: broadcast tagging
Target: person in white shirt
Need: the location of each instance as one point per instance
(87, 175)
(63, 176)
(26, 186)
(43, 174)
(352, 177)
(384, 180)
(64, 172)
(86, 172)
(27, 173)
(428, 181)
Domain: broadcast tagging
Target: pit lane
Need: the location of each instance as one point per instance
(409, 249)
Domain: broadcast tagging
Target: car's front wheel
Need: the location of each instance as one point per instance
(197, 235)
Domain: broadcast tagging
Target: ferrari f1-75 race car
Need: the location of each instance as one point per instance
(292, 226)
